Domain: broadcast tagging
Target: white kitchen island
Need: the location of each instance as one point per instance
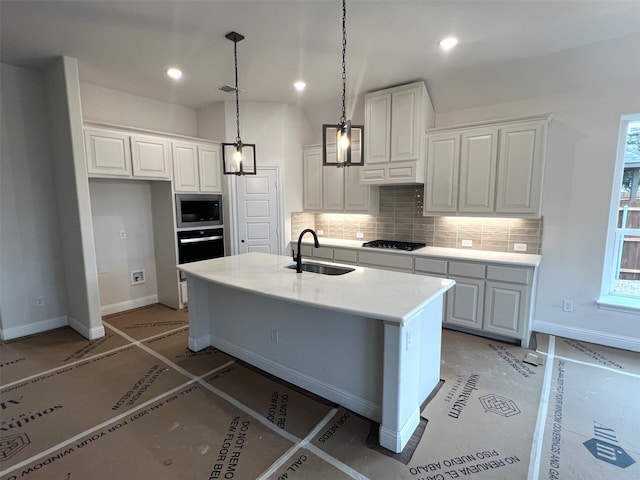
(368, 340)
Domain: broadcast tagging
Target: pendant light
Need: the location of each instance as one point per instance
(342, 143)
(238, 158)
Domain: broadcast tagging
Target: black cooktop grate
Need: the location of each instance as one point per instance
(394, 245)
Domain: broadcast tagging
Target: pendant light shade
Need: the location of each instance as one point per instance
(342, 142)
(238, 158)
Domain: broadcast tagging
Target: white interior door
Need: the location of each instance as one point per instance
(258, 212)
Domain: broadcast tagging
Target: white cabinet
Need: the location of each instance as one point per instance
(395, 121)
(519, 187)
(196, 167)
(386, 261)
(150, 157)
(312, 178)
(113, 153)
(334, 189)
(486, 170)
(465, 301)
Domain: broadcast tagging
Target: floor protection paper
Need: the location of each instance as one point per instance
(592, 428)
(188, 435)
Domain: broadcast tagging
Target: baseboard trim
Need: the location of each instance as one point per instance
(128, 305)
(32, 328)
(88, 333)
(393, 440)
(586, 335)
(342, 397)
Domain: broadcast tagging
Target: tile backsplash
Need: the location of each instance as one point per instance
(400, 218)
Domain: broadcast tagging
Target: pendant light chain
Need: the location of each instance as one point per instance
(235, 58)
(343, 119)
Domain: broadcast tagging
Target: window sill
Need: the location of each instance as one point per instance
(619, 304)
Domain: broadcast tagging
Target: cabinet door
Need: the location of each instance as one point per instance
(312, 178)
(377, 124)
(185, 167)
(333, 188)
(478, 156)
(150, 157)
(356, 195)
(108, 152)
(465, 302)
(505, 308)
(441, 184)
(210, 168)
(520, 169)
(405, 131)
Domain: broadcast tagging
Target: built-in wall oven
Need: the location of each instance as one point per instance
(200, 233)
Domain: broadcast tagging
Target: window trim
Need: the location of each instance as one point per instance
(609, 300)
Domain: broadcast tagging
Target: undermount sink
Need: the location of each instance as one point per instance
(322, 268)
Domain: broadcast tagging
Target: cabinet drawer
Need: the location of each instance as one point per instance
(400, 263)
(323, 252)
(464, 269)
(430, 265)
(509, 274)
(345, 256)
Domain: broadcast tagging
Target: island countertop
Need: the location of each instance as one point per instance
(381, 294)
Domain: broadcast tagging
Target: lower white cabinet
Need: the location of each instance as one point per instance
(488, 298)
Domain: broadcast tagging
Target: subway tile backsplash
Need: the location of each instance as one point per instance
(400, 218)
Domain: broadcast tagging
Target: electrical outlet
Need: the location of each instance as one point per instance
(520, 247)
(39, 301)
(359, 235)
(137, 277)
(123, 234)
(320, 232)
(274, 336)
(567, 306)
(467, 243)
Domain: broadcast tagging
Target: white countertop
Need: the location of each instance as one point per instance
(369, 292)
(522, 259)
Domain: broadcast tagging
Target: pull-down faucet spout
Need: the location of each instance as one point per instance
(298, 258)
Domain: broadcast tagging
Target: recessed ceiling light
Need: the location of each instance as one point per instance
(448, 43)
(300, 85)
(174, 73)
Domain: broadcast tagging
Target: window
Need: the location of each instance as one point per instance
(621, 285)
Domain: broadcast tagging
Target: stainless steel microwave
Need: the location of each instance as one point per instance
(198, 210)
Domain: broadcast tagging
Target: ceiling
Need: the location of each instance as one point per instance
(540, 46)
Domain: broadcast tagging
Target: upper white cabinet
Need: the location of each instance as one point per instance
(196, 167)
(150, 157)
(112, 153)
(491, 169)
(395, 121)
(333, 189)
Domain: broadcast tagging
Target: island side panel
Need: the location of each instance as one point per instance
(199, 313)
(411, 372)
(335, 355)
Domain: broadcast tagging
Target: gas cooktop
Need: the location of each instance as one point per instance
(394, 245)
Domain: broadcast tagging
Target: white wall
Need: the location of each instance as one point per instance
(101, 104)
(30, 243)
(278, 131)
(64, 115)
(123, 205)
(578, 182)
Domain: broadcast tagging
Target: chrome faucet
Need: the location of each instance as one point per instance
(298, 258)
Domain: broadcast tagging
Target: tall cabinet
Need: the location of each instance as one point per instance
(395, 121)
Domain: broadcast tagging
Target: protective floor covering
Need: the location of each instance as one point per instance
(139, 404)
